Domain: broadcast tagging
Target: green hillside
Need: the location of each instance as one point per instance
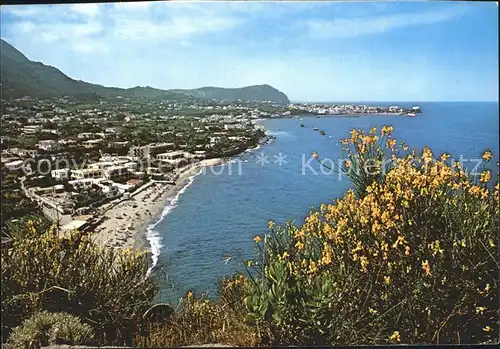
(22, 77)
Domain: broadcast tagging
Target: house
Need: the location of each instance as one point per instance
(24, 152)
(48, 130)
(92, 143)
(108, 189)
(170, 156)
(117, 173)
(31, 129)
(86, 135)
(86, 173)
(134, 182)
(14, 165)
(49, 145)
(118, 145)
(215, 140)
(61, 174)
(132, 166)
(200, 154)
(150, 150)
(84, 183)
(67, 142)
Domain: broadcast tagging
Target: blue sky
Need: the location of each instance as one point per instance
(317, 51)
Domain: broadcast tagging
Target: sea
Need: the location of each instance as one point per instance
(206, 231)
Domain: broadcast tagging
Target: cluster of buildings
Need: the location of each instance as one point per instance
(350, 109)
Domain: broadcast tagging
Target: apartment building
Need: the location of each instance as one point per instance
(86, 173)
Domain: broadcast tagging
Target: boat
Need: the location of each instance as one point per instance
(315, 129)
(411, 114)
(317, 117)
(302, 124)
(323, 133)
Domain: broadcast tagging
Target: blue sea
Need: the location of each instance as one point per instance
(223, 208)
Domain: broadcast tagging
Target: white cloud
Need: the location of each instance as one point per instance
(139, 5)
(89, 10)
(352, 27)
(26, 27)
(23, 11)
(89, 46)
(175, 28)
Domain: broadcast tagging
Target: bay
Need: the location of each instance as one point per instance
(225, 207)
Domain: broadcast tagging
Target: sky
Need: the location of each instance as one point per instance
(314, 51)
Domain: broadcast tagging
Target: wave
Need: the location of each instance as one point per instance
(277, 133)
(152, 235)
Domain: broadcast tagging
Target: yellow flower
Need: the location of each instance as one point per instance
(299, 246)
(256, 239)
(315, 155)
(249, 263)
(387, 280)
(426, 267)
(386, 130)
(347, 163)
(445, 157)
(485, 176)
(364, 263)
(407, 250)
(354, 134)
(405, 147)
(372, 311)
(391, 143)
(487, 155)
(312, 267)
(271, 224)
(480, 310)
(190, 294)
(285, 255)
(487, 329)
(395, 337)
(492, 244)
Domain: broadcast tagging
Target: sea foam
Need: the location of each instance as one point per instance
(152, 235)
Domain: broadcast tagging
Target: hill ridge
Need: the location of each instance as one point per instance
(22, 77)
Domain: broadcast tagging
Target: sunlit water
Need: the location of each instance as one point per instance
(224, 207)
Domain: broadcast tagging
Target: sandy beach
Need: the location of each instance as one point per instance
(126, 222)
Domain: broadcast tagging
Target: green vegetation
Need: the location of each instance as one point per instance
(45, 328)
(105, 288)
(22, 77)
(410, 255)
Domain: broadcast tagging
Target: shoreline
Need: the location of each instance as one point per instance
(130, 223)
(126, 224)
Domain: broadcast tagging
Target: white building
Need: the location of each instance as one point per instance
(170, 156)
(86, 173)
(61, 174)
(32, 129)
(84, 183)
(14, 165)
(49, 145)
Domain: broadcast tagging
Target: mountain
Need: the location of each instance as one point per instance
(249, 93)
(21, 77)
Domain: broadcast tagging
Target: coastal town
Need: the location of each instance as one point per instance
(103, 165)
(81, 165)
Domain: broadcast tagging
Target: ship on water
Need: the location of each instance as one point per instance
(315, 129)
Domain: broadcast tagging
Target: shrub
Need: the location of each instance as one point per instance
(106, 288)
(44, 328)
(410, 256)
(199, 320)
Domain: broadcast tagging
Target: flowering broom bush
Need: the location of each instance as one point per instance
(105, 288)
(410, 255)
(199, 320)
